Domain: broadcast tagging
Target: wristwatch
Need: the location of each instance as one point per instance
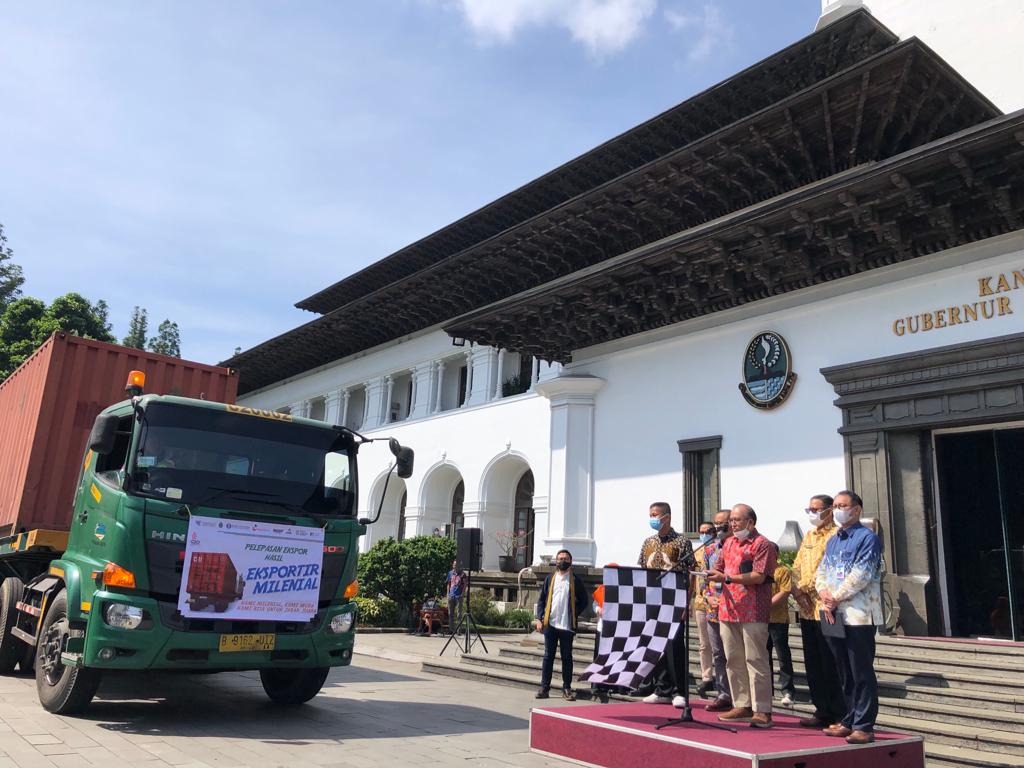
(728, 579)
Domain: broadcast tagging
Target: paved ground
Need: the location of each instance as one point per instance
(382, 711)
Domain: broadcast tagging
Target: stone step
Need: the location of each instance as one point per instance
(982, 700)
(975, 747)
(974, 676)
(951, 710)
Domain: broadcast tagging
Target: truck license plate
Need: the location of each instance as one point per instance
(232, 643)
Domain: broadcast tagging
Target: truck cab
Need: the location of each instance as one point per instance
(135, 590)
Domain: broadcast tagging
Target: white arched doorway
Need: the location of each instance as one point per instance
(506, 494)
(441, 499)
(392, 514)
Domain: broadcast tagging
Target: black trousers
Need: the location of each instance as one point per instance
(562, 640)
(778, 643)
(855, 662)
(669, 674)
(822, 678)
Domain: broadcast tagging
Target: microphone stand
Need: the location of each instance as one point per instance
(686, 716)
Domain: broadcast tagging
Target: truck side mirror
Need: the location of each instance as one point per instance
(104, 434)
(403, 458)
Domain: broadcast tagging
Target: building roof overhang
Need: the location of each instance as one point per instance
(884, 104)
(792, 69)
(959, 189)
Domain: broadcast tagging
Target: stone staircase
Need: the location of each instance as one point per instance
(966, 699)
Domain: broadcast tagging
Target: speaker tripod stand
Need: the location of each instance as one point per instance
(467, 626)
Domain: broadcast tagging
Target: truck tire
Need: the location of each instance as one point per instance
(292, 687)
(62, 690)
(11, 647)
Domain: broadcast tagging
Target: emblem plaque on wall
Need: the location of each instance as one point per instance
(768, 375)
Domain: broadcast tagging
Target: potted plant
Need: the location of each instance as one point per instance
(510, 542)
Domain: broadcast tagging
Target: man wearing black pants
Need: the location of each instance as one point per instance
(822, 679)
(849, 586)
(563, 597)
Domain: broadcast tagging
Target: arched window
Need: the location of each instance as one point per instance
(458, 520)
(523, 519)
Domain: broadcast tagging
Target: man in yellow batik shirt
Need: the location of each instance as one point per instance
(826, 693)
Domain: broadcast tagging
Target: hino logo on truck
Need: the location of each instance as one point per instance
(167, 536)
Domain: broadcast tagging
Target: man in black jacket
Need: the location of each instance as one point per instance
(563, 597)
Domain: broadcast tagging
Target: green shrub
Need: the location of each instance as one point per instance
(518, 618)
(406, 571)
(787, 558)
(376, 611)
(484, 611)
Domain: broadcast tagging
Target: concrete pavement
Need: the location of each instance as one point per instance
(380, 711)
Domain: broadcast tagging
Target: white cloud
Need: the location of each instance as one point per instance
(603, 26)
(713, 34)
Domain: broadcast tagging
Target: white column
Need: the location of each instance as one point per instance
(571, 496)
(834, 10)
(374, 403)
(501, 374)
(346, 395)
(332, 407)
(422, 403)
(440, 383)
(469, 379)
(389, 383)
(480, 386)
(300, 408)
(534, 373)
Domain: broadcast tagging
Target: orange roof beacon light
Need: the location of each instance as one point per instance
(136, 383)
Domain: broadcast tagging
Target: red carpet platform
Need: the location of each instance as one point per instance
(623, 736)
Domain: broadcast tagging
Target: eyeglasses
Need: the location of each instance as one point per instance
(844, 507)
(821, 511)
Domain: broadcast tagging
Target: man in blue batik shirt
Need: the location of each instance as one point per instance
(848, 583)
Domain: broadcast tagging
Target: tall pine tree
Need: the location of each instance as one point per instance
(138, 327)
(167, 341)
(11, 277)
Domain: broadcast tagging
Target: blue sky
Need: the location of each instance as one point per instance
(217, 162)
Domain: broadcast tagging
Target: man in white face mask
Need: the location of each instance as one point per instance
(848, 584)
(826, 694)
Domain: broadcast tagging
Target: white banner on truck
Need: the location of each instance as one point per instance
(248, 570)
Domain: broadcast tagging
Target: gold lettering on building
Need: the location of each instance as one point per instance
(960, 314)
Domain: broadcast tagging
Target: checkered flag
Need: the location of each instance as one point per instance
(642, 613)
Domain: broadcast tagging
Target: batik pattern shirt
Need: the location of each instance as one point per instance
(747, 603)
(805, 566)
(712, 590)
(671, 552)
(852, 571)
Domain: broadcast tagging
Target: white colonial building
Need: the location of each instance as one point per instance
(806, 278)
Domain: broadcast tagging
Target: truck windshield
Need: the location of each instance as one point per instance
(196, 455)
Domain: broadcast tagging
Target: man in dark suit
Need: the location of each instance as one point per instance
(563, 597)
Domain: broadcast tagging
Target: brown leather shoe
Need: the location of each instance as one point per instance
(542, 693)
(721, 704)
(860, 737)
(813, 722)
(838, 730)
(761, 720)
(737, 715)
(568, 694)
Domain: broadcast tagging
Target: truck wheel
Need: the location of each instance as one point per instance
(292, 687)
(11, 647)
(62, 690)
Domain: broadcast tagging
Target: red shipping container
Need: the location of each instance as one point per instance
(212, 578)
(47, 408)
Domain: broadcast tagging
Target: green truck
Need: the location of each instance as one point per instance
(160, 475)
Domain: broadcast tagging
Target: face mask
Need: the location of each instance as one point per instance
(564, 565)
(722, 533)
(742, 534)
(815, 519)
(656, 523)
(705, 538)
(842, 516)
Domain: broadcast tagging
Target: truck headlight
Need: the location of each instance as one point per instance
(342, 622)
(123, 616)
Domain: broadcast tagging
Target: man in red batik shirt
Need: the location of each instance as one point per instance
(748, 561)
